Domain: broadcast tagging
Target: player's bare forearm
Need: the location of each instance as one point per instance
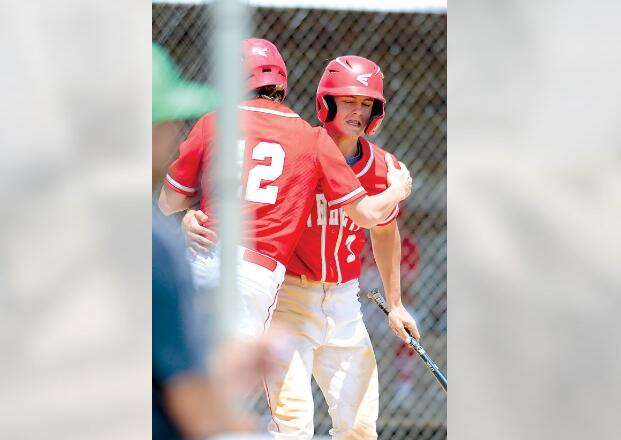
(369, 211)
(386, 242)
(171, 201)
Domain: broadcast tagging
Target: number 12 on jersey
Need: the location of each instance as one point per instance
(259, 173)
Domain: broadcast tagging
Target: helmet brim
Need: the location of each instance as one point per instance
(353, 91)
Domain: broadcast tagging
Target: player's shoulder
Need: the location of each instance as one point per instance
(282, 119)
(207, 124)
(372, 170)
(320, 132)
(377, 157)
(202, 133)
(207, 118)
(270, 109)
(379, 153)
(326, 145)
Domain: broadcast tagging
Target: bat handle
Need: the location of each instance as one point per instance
(376, 297)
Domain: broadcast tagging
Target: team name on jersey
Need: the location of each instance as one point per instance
(324, 216)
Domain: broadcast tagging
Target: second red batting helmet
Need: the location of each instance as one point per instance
(351, 75)
(264, 64)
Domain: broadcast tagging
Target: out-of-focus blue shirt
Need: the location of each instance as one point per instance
(176, 347)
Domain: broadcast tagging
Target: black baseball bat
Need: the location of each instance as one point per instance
(377, 298)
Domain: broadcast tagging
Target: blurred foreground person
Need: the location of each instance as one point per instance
(190, 400)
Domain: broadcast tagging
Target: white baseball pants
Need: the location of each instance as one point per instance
(329, 341)
(258, 283)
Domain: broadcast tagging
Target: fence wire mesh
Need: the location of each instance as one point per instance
(411, 50)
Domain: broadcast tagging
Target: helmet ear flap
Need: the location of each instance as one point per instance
(331, 106)
(377, 114)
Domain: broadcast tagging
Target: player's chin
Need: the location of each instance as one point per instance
(352, 130)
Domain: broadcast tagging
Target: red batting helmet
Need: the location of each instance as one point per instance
(351, 75)
(264, 64)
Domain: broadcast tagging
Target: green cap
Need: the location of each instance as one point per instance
(173, 97)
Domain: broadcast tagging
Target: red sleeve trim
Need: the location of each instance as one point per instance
(348, 198)
(182, 189)
(391, 217)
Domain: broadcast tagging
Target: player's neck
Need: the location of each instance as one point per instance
(347, 145)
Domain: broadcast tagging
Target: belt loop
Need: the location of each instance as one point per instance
(303, 281)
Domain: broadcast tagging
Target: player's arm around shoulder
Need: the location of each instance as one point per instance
(386, 166)
(377, 180)
(391, 185)
(398, 177)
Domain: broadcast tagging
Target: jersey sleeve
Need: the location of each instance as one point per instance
(184, 173)
(339, 183)
(380, 181)
(391, 217)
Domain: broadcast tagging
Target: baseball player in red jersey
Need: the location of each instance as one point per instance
(318, 300)
(283, 160)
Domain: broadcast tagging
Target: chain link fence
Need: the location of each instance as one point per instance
(411, 50)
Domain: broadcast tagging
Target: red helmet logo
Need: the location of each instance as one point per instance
(264, 64)
(351, 75)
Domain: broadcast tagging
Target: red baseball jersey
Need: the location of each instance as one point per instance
(330, 247)
(284, 161)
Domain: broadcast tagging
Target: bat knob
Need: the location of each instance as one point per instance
(372, 293)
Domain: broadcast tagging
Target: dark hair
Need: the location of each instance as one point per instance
(273, 93)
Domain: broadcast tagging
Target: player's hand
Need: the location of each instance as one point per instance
(239, 366)
(399, 319)
(398, 178)
(197, 237)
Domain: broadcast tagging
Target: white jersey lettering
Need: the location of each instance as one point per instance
(332, 217)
